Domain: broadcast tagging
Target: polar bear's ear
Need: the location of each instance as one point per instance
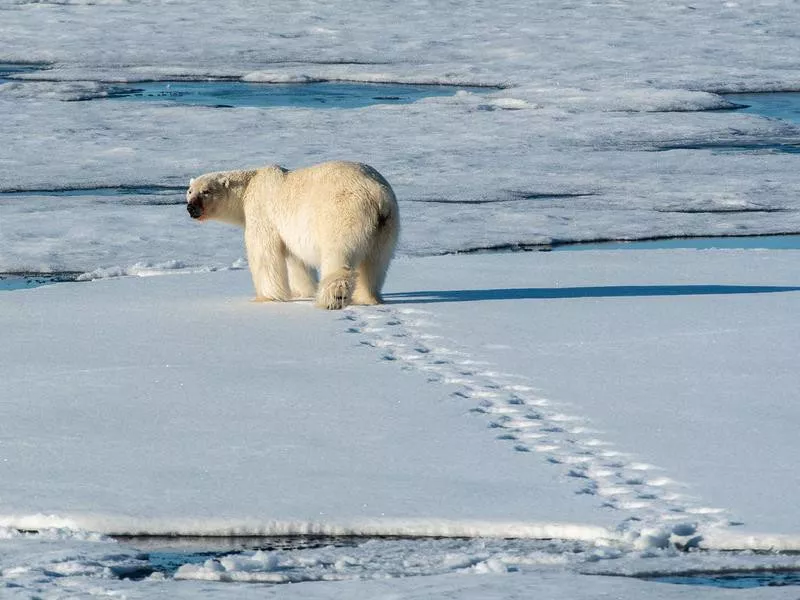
(191, 181)
(226, 183)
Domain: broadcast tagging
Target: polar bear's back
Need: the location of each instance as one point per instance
(331, 180)
(339, 192)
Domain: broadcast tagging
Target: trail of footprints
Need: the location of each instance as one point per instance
(531, 423)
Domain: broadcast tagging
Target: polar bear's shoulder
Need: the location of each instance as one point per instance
(268, 171)
(276, 169)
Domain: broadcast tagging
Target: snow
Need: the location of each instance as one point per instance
(625, 404)
(201, 362)
(599, 397)
(657, 346)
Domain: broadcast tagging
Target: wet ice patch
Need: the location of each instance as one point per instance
(633, 100)
(23, 90)
(652, 100)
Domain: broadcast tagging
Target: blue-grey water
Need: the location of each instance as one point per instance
(152, 195)
(776, 105)
(10, 69)
(328, 94)
(23, 281)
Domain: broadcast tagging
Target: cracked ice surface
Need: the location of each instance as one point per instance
(594, 136)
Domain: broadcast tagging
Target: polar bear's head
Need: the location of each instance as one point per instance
(218, 196)
(207, 196)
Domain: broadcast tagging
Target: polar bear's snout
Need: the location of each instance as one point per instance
(195, 208)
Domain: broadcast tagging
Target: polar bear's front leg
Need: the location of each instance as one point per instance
(336, 285)
(266, 255)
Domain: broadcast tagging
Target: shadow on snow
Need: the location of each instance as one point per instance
(616, 291)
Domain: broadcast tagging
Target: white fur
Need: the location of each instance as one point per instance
(338, 220)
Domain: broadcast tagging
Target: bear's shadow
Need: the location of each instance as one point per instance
(613, 291)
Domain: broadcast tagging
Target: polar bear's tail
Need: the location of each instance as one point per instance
(336, 289)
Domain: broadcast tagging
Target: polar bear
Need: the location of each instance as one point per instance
(336, 222)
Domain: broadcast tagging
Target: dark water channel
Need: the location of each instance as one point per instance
(733, 580)
(752, 242)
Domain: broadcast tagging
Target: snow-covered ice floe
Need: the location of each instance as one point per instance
(632, 404)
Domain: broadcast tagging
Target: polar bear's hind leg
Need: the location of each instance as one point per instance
(371, 275)
(372, 270)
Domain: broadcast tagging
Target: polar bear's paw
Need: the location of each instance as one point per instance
(336, 291)
(335, 296)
